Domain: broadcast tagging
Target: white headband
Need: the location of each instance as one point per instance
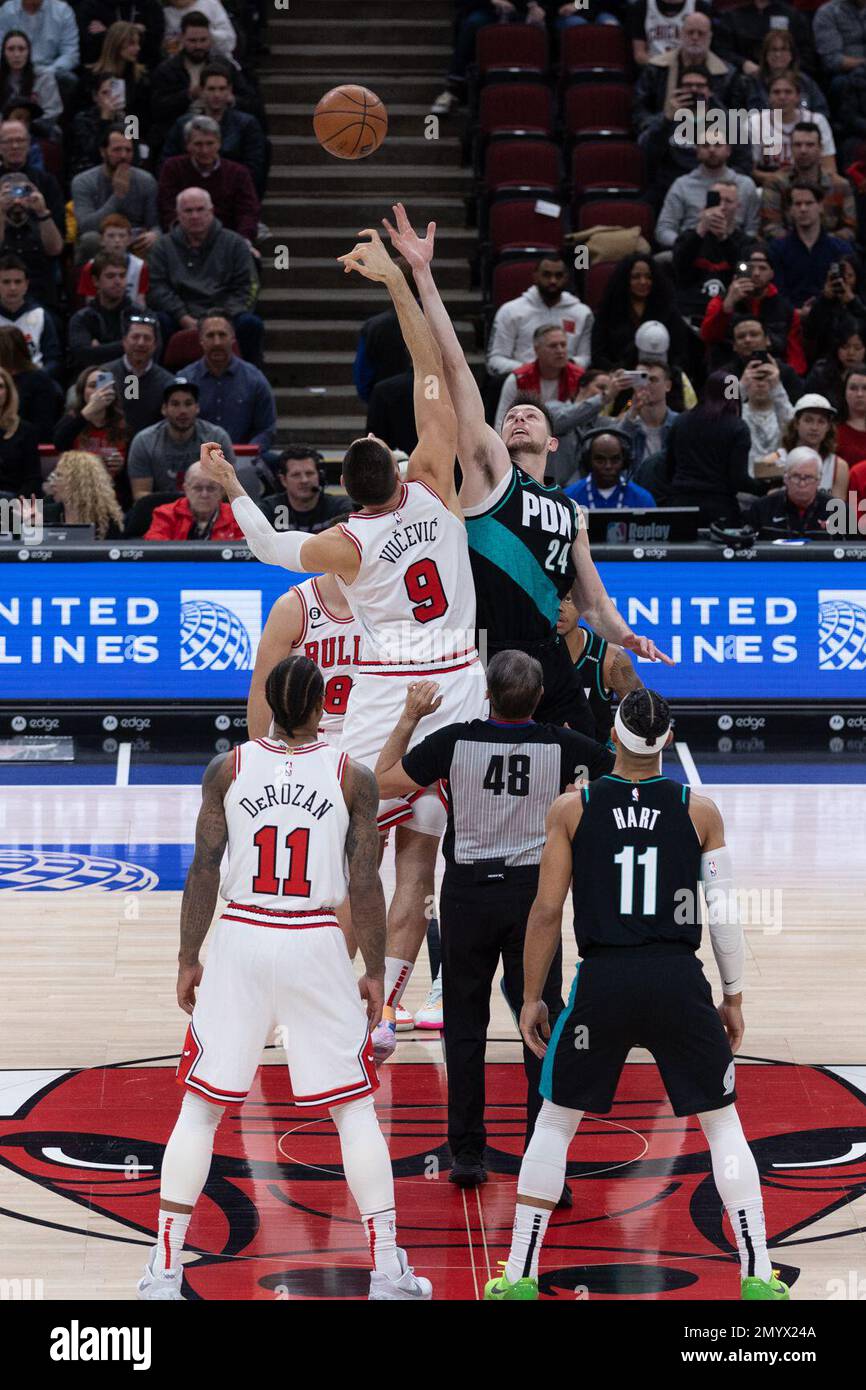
(633, 742)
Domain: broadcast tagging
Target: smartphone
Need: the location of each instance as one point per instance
(714, 198)
(117, 87)
(104, 379)
(836, 271)
(21, 190)
(762, 356)
(742, 267)
(638, 378)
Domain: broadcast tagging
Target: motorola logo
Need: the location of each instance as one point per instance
(109, 723)
(837, 722)
(222, 721)
(19, 723)
(725, 721)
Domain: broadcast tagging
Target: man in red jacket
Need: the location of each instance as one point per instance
(200, 515)
(230, 185)
(752, 292)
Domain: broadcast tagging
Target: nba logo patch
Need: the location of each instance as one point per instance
(711, 867)
(635, 793)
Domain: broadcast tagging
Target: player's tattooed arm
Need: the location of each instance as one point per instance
(619, 673)
(283, 628)
(593, 603)
(366, 897)
(544, 927)
(202, 881)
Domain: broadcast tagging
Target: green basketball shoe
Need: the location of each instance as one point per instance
(753, 1289)
(502, 1288)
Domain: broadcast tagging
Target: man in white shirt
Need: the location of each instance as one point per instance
(546, 301)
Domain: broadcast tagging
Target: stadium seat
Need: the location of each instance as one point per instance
(506, 47)
(609, 167)
(52, 157)
(596, 110)
(522, 106)
(509, 163)
(184, 348)
(140, 514)
(594, 48)
(510, 279)
(617, 212)
(595, 283)
(516, 224)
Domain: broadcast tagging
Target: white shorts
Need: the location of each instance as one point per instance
(375, 705)
(266, 969)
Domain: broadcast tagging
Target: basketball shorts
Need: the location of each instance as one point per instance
(626, 997)
(266, 969)
(375, 705)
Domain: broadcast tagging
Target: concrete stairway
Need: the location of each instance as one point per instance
(317, 203)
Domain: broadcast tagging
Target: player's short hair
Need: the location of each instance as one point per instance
(293, 690)
(369, 472)
(646, 713)
(514, 680)
(530, 398)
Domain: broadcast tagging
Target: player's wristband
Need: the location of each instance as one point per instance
(726, 932)
(270, 546)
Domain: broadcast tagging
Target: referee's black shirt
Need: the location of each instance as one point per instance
(499, 781)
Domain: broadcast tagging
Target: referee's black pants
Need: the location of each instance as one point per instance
(479, 923)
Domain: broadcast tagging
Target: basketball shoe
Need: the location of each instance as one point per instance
(498, 1290)
(160, 1288)
(403, 1020)
(409, 1286)
(430, 1013)
(754, 1290)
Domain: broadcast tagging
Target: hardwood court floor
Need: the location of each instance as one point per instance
(89, 1035)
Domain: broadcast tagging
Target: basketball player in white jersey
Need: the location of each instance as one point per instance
(403, 563)
(298, 819)
(315, 619)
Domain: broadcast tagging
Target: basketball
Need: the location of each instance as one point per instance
(350, 122)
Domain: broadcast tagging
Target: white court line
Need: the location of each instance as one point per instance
(471, 1247)
(689, 765)
(124, 756)
(483, 1233)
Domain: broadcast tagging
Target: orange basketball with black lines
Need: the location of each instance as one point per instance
(350, 122)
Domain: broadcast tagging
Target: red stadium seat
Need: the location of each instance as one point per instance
(594, 109)
(510, 279)
(52, 157)
(595, 47)
(515, 106)
(595, 283)
(509, 46)
(184, 348)
(508, 163)
(617, 212)
(516, 224)
(606, 166)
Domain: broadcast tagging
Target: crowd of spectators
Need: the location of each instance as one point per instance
(723, 366)
(134, 158)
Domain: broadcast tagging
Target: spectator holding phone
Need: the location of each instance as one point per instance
(648, 419)
(686, 199)
(90, 127)
(766, 412)
(840, 307)
(752, 293)
(802, 259)
(95, 425)
(749, 337)
(705, 257)
(28, 231)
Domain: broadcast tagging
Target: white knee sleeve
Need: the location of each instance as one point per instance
(542, 1172)
(366, 1161)
(187, 1158)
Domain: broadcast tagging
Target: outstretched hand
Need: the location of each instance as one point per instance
(216, 466)
(418, 251)
(645, 647)
(370, 258)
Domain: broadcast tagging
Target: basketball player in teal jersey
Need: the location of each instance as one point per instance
(606, 673)
(527, 542)
(628, 846)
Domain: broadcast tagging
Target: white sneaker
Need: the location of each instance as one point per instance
(160, 1288)
(409, 1286)
(444, 104)
(403, 1020)
(430, 1014)
(384, 1040)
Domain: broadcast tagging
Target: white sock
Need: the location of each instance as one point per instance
(397, 973)
(542, 1174)
(736, 1177)
(367, 1166)
(185, 1166)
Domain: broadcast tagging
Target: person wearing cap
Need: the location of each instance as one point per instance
(160, 455)
(814, 426)
(752, 291)
(799, 507)
(201, 514)
(650, 347)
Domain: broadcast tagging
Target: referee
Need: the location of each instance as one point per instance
(499, 777)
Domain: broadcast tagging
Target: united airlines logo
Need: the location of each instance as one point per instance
(219, 629)
(25, 870)
(842, 629)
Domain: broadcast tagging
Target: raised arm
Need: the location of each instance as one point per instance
(203, 879)
(435, 420)
(329, 551)
(482, 454)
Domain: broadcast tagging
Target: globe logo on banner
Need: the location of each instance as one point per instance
(842, 629)
(219, 629)
(33, 870)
